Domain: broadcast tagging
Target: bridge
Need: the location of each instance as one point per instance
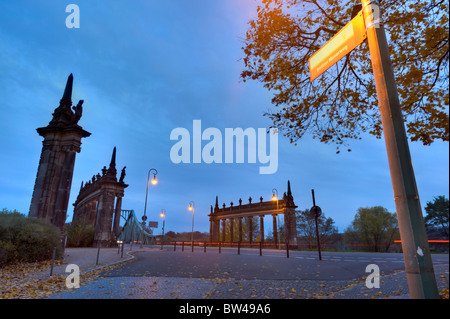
(133, 230)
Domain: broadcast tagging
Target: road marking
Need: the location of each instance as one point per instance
(326, 258)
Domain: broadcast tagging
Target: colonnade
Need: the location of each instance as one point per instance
(218, 228)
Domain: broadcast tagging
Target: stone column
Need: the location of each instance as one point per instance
(240, 229)
(217, 229)
(223, 229)
(286, 226)
(104, 218)
(62, 140)
(63, 192)
(231, 229)
(211, 230)
(250, 229)
(261, 227)
(54, 177)
(117, 216)
(290, 226)
(275, 229)
(48, 175)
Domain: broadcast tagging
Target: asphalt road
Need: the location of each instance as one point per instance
(168, 274)
(272, 265)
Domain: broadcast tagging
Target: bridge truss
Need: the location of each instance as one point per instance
(133, 230)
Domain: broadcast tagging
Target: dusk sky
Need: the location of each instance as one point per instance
(145, 68)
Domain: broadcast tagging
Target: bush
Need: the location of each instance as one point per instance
(25, 239)
(80, 233)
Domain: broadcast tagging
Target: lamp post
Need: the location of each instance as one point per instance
(154, 182)
(275, 197)
(163, 216)
(192, 207)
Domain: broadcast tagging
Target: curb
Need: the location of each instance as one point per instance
(111, 264)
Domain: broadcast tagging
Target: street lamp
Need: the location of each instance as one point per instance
(163, 216)
(192, 207)
(275, 198)
(154, 181)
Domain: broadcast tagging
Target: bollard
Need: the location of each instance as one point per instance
(287, 249)
(98, 251)
(220, 247)
(239, 247)
(260, 248)
(204, 248)
(192, 246)
(121, 255)
(175, 246)
(53, 260)
(182, 246)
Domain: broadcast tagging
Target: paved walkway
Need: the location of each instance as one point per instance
(151, 287)
(86, 259)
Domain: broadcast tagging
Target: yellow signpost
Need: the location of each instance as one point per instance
(348, 38)
(416, 251)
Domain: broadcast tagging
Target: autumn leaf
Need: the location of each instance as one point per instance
(342, 103)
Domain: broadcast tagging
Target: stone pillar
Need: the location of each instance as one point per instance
(290, 226)
(286, 226)
(217, 230)
(275, 229)
(104, 218)
(48, 175)
(117, 216)
(250, 229)
(63, 191)
(231, 229)
(223, 229)
(261, 227)
(62, 140)
(211, 230)
(240, 229)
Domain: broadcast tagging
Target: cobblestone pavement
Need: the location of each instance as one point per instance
(392, 285)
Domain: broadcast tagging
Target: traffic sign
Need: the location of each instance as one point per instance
(315, 211)
(348, 38)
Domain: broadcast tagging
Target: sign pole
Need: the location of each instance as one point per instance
(316, 210)
(416, 252)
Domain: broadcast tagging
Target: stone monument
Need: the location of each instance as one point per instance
(62, 140)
